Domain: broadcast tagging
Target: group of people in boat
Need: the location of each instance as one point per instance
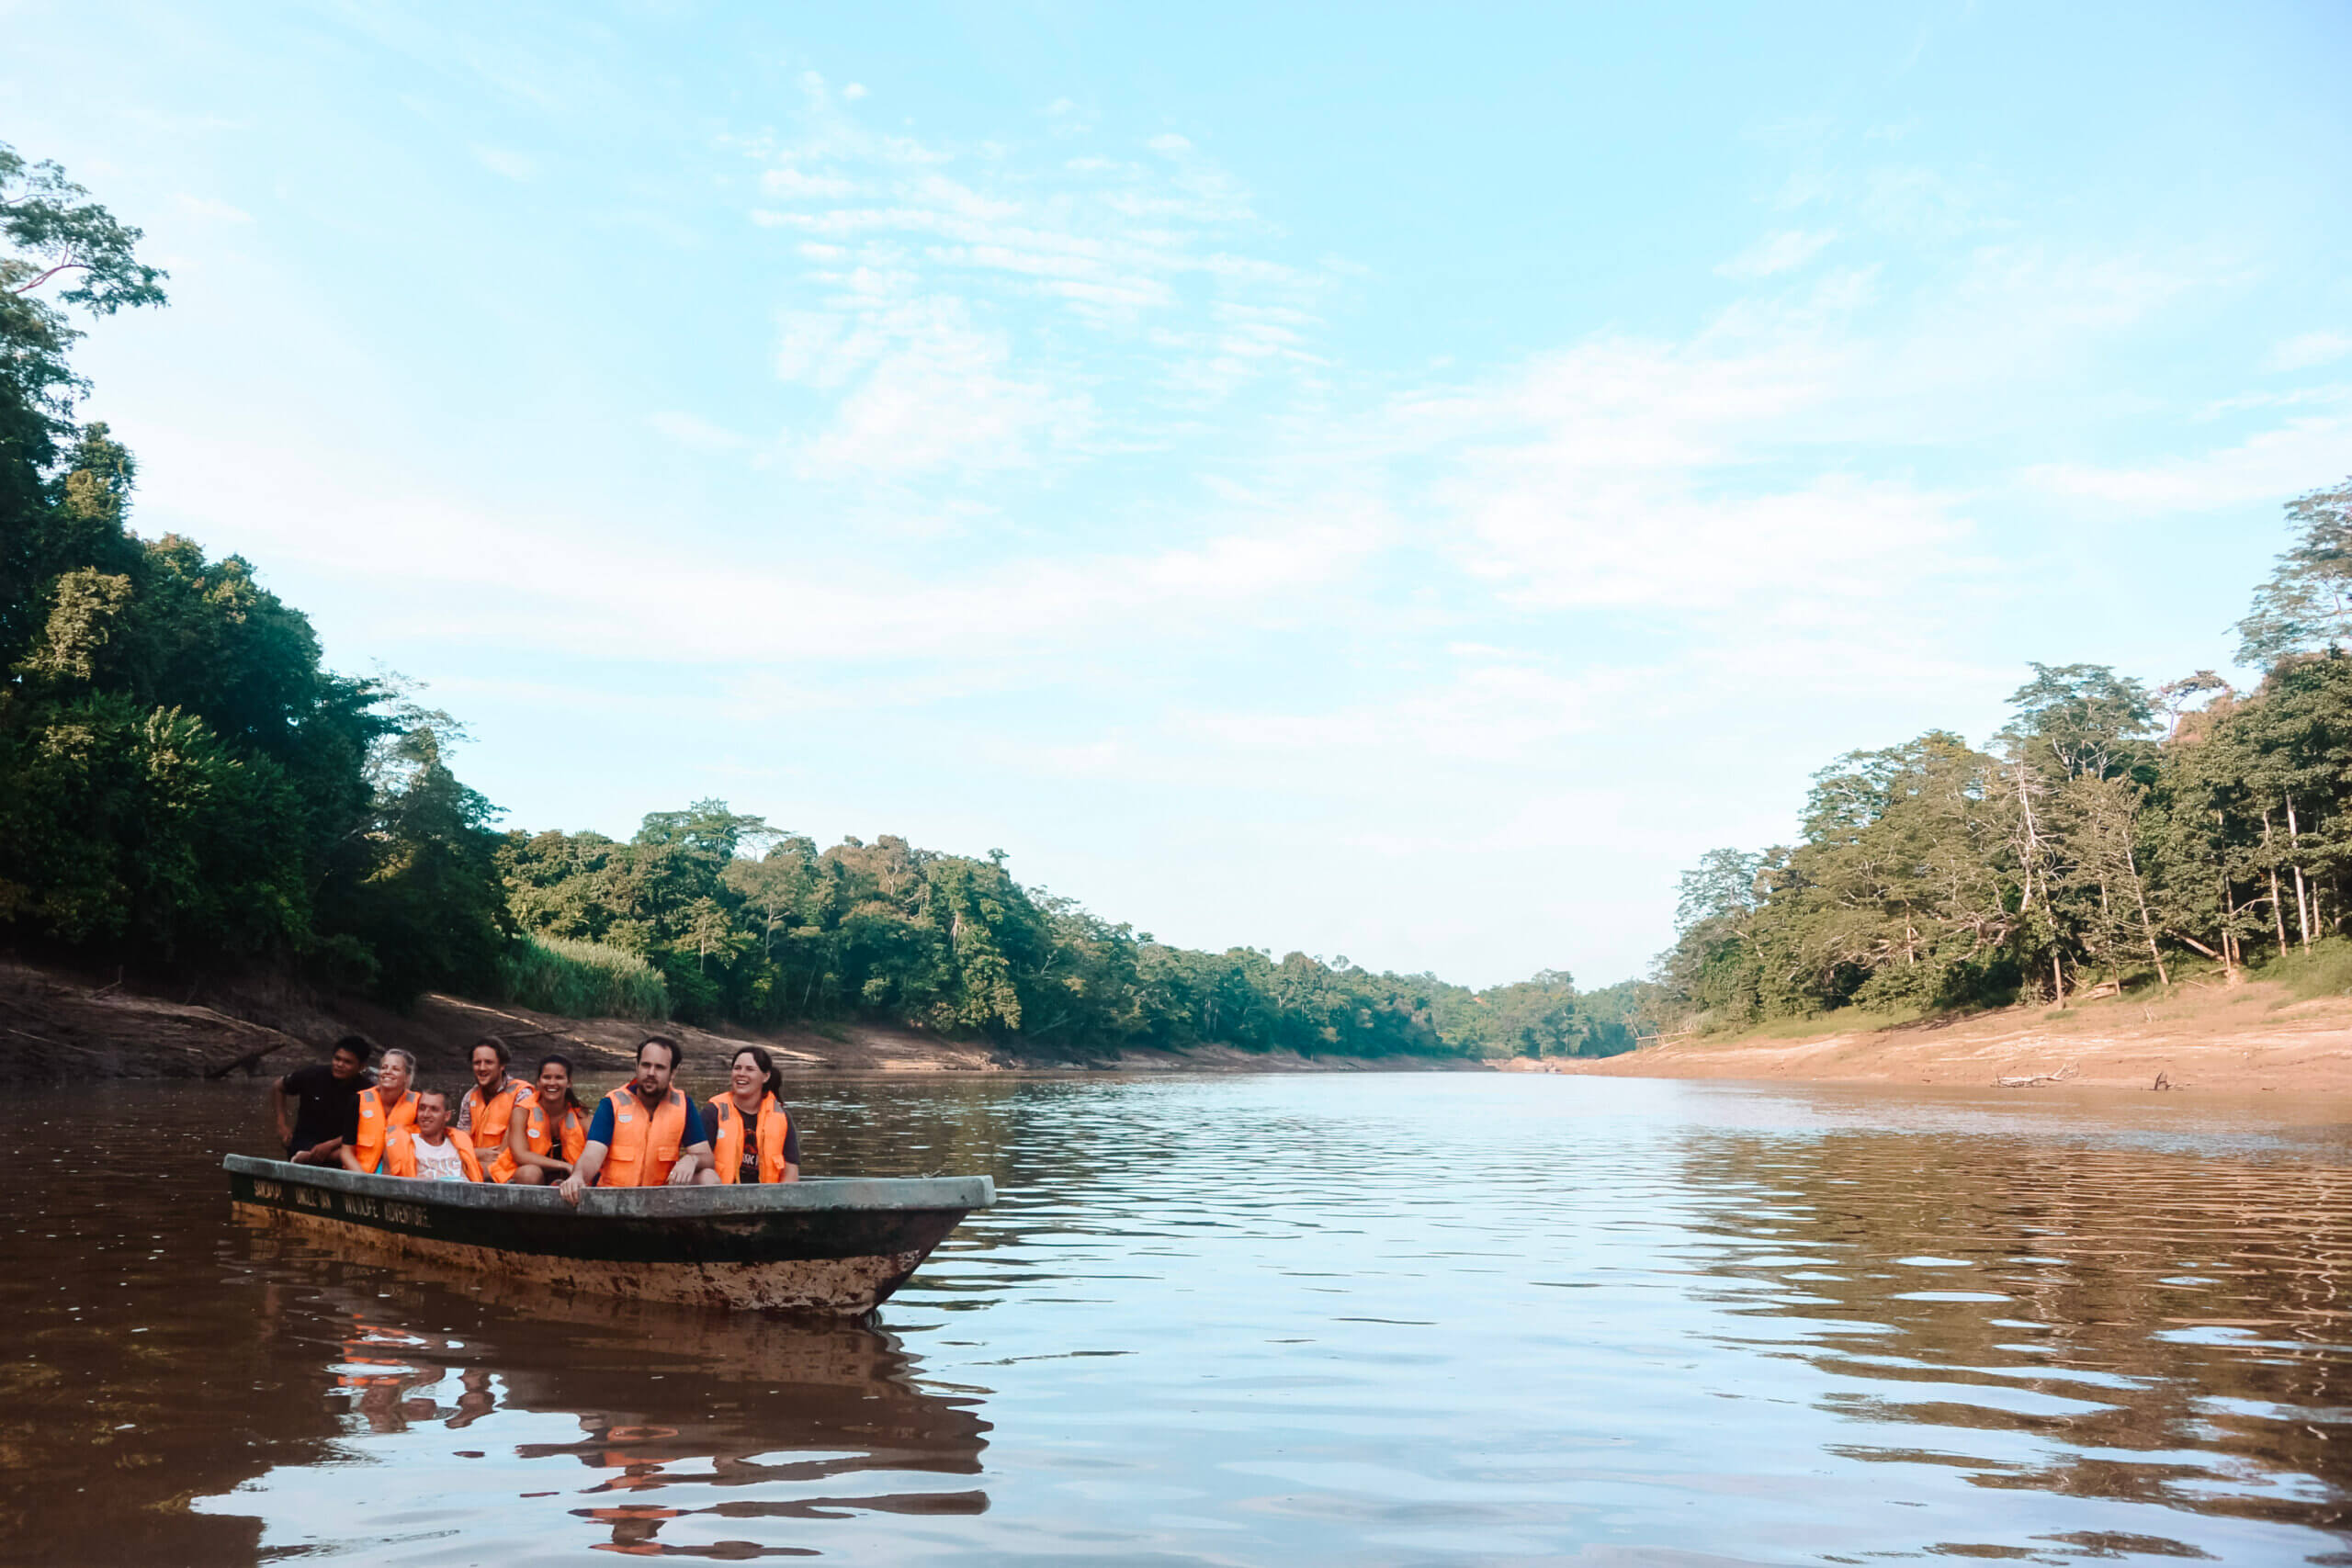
(648, 1132)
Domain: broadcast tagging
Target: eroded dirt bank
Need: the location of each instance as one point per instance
(57, 1027)
(2251, 1038)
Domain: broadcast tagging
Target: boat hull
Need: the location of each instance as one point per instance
(838, 1247)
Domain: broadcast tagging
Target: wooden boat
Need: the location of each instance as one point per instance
(836, 1247)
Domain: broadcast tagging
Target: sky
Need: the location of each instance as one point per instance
(1392, 483)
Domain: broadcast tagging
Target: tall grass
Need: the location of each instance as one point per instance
(2324, 971)
(1837, 1021)
(582, 979)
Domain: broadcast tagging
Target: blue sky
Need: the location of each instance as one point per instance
(1397, 484)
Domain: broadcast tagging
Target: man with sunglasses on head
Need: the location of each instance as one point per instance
(648, 1132)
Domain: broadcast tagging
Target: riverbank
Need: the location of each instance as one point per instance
(2254, 1037)
(57, 1027)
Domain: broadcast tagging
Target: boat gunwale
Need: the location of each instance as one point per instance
(921, 1194)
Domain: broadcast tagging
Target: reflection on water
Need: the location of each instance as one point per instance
(2083, 1323)
(656, 1413)
(1263, 1320)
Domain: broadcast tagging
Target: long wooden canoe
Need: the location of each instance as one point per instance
(838, 1246)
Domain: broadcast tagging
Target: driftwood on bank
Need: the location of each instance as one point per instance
(2035, 1080)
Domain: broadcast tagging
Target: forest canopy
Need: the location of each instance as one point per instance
(747, 923)
(185, 786)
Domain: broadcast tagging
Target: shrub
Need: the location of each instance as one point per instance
(582, 979)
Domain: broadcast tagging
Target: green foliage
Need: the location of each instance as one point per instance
(2081, 719)
(954, 944)
(54, 231)
(1619, 1015)
(2306, 605)
(582, 979)
(130, 828)
(180, 781)
(53, 238)
(431, 911)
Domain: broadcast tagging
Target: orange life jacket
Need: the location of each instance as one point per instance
(400, 1151)
(727, 1137)
(368, 1147)
(491, 1116)
(365, 1338)
(644, 1145)
(540, 1131)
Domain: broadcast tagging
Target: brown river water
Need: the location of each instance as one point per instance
(1286, 1320)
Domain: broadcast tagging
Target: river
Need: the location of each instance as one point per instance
(1285, 1320)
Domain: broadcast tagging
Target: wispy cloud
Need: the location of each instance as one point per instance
(1675, 479)
(924, 387)
(563, 583)
(2267, 466)
(501, 161)
(967, 309)
(2307, 349)
(699, 433)
(1783, 251)
(212, 211)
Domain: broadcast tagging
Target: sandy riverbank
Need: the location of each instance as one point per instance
(2252, 1038)
(57, 1027)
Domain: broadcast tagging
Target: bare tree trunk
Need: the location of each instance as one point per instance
(2147, 926)
(2032, 855)
(2304, 921)
(2107, 935)
(2229, 905)
(2230, 953)
(2277, 909)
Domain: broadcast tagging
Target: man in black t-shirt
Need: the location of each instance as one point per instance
(324, 1099)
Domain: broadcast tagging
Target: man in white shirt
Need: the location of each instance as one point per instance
(434, 1151)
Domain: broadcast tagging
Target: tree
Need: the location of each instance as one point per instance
(2306, 604)
(182, 781)
(1724, 886)
(431, 912)
(2108, 859)
(2081, 719)
(54, 243)
(55, 233)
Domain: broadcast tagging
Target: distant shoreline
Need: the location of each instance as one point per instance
(61, 1028)
(2249, 1039)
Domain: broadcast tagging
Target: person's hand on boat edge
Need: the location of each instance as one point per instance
(570, 1188)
